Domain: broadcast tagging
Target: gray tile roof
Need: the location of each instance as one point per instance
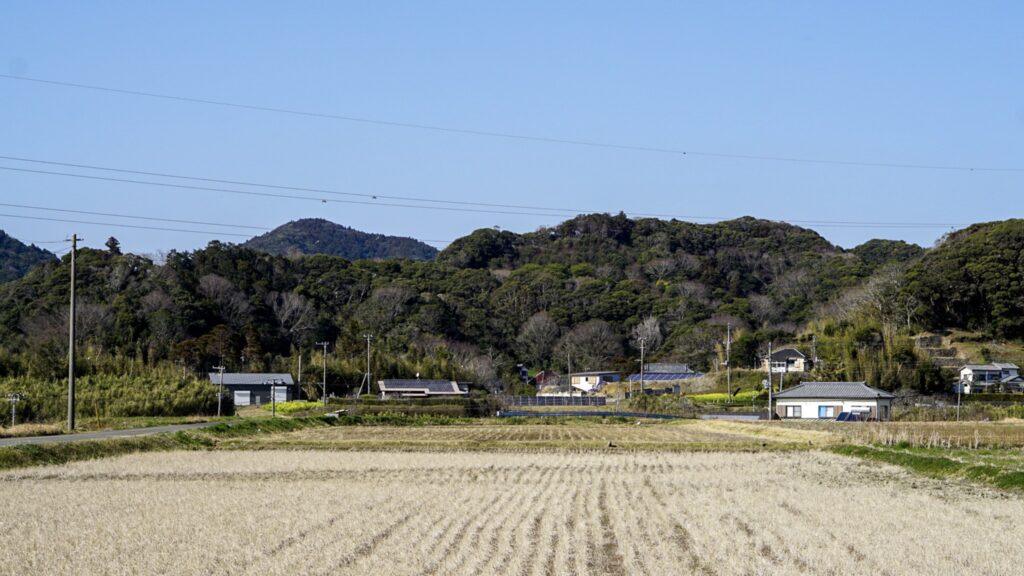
(853, 390)
(1006, 365)
(239, 379)
(784, 353)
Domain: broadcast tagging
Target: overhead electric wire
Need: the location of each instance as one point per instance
(511, 136)
(206, 232)
(553, 211)
(153, 218)
(281, 187)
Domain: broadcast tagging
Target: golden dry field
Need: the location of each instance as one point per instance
(534, 513)
(638, 435)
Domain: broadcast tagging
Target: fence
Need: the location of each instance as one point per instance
(555, 400)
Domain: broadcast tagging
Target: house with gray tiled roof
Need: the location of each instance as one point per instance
(989, 377)
(827, 400)
(255, 388)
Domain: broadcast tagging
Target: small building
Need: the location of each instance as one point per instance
(591, 382)
(664, 375)
(786, 360)
(420, 388)
(976, 378)
(255, 389)
(545, 378)
(827, 400)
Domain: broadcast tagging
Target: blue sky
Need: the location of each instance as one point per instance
(934, 83)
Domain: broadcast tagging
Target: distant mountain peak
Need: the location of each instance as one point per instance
(320, 236)
(17, 258)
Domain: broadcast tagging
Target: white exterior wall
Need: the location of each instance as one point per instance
(809, 408)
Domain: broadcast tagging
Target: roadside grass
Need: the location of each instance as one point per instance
(100, 424)
(1000, 468)
(31, 429)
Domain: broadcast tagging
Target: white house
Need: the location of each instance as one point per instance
(827, 400)
(975, 378)
(591, 382)
(786, 360)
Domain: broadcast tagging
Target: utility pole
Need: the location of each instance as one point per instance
(324, 344)
(568, 362)
(643, 342)
(728, 367)
(959, 390)
(71, 339)
(369, 338)
(220, 392)
(769, 381)
(298, 394)
(14, 398)
(273, 398)
(814, 351)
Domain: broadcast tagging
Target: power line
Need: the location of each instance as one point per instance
(564, 212)
(267, 194)
(282, 187)
(139, 227)
(511, 136)
(151, 218)
(66, 210)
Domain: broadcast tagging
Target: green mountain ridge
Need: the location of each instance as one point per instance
(319, 236)
(586, 289)
(17, 258)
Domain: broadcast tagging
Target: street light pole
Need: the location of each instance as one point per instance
(769, 381)
(14, 398)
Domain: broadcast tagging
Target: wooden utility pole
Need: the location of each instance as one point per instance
(728, 367)
(769, 381)
(220, 391)
(71, 339)
(643, 342)
(369, 338)
(324, 384)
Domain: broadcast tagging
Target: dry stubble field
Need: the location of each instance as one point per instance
(466, 512)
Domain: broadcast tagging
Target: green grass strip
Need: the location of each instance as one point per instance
(937, 466)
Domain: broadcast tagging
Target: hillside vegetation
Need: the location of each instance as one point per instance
(319, 236)
(17, 258)
(585, 289)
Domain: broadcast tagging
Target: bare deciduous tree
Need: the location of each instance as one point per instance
(232, 305)
(537, 337)
(591, 344)
(649, 329)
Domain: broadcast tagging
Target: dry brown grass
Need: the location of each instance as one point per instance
(1008, 433)
(31, 429)
(637, 435)
(399, 513)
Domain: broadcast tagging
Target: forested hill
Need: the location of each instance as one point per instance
(16, 258)
(586, 288)
(318, 236)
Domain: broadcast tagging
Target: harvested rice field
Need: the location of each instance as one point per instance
(532, 513)
(637, 435)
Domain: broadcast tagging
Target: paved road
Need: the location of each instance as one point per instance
(101, 435)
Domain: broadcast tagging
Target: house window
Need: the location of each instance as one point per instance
(826, 412)
(792, 411)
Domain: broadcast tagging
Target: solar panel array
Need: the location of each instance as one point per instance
(434, 386)
(555, 400)
(664, 376)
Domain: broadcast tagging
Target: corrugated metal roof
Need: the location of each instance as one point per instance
(833, 390)
(250, 379)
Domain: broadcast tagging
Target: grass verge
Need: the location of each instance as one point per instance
(1004, 473)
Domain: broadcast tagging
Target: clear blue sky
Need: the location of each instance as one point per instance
(927, 82)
